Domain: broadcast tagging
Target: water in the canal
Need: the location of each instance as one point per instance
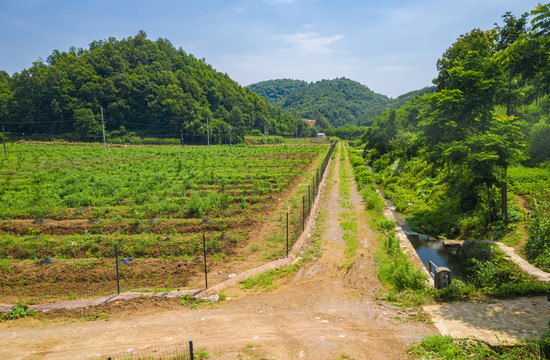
(430, 249)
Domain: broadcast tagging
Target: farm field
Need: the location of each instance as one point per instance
(65, 207)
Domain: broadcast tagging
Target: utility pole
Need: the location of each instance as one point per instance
(229, 138)
(4, 141)
(181, 135)
(103, 127)
(208, 132)
(296, 131)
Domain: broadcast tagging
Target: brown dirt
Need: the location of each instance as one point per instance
(321, 312)
(522, 227)
(84, 278)
(124, 226)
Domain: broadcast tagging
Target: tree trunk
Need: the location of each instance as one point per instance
(509, 97)
(504, 197)
(488, 204)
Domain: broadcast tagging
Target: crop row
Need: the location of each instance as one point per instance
(41, 246)
(53, 181)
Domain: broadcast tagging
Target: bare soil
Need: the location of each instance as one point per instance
(28, 281)
(319, 312)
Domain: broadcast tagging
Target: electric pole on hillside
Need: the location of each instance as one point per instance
(207, 132)
(230, 138)
(103, 127)
(266, 133)
(4, 141)
(181, 135)
(296, 131)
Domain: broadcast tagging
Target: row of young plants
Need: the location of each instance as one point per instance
(102, 246)
(38, 181)
(165, 248)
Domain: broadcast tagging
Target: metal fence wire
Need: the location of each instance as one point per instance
(168, 352)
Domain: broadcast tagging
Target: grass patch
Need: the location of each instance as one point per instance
(267, 280)
(448, 348)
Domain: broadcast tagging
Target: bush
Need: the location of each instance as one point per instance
(395, 268)
(373, 201)
(509, 290)
(448, 348)
(457, 290)
(382, 163)
(17, 312)
(538, 242)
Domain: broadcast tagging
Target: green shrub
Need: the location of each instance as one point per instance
(538, 242)
(383, 224)
(448, 348)
(17, 312)
(396, 269)
(457, 290)
(509, 290)
(373, 201)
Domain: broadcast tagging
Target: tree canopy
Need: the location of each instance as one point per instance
(149, 87)
(489, 111)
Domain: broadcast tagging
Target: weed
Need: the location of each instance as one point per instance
(5, 266)
(266, 279)
(201, 355)
(17, 312)
(446, 347)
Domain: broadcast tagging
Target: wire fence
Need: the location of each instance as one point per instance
(168, 352)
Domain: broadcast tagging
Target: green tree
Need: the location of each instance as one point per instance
(85, 124)
(539, 142)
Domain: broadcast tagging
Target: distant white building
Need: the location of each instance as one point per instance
(321, 136)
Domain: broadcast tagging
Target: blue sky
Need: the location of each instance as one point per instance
(391, 46)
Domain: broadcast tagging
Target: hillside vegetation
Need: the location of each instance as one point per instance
(145, 86)
(332, 103)
(457, 160)
(338, 103)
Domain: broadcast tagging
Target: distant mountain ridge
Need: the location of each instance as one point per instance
(337, 102)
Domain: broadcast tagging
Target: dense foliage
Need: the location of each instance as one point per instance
(145, 86)
(446, 158)
(339, 103)
(276, 91)
(332, 103)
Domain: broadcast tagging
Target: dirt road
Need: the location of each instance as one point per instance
(319, 312)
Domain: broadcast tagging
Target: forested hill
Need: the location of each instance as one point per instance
(405, 98)
(276, 91)
(145, 86)
(335, 102)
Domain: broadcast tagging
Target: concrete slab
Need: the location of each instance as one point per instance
(496, 322)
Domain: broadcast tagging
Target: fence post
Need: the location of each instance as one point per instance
(4, 141)
(117, 278)
(303, 213)
(204, 255)
(191, 355)
(287, 234)
(308, 200)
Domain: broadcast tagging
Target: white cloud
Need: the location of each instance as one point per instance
(309, 43)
